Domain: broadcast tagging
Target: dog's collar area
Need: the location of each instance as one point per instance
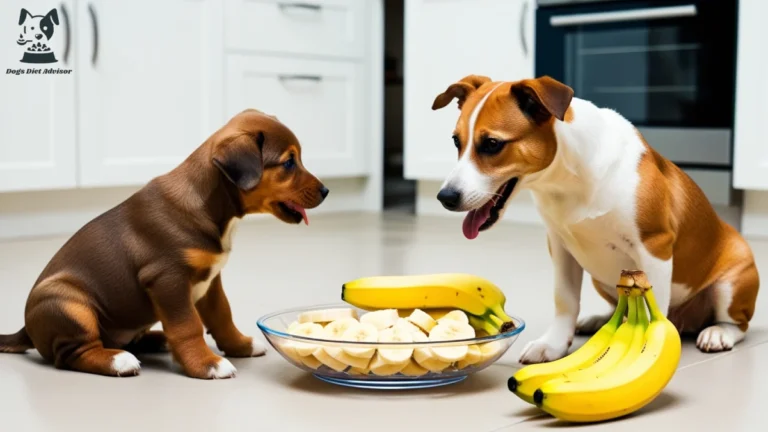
(505, 191)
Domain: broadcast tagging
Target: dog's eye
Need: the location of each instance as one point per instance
(290, 163)
(456, 141)
(490, 146)
(45, 28)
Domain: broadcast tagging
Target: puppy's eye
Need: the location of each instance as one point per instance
(290, 163)
(456, 141)
(490, 146)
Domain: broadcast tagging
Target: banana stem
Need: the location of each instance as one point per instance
(621, 310)
(633, 309)
(642, 313)
(653, 307)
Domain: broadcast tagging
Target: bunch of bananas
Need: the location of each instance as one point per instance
(479, 298)
(620, 369)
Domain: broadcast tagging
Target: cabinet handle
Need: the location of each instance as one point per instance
(523, 21)
(315, 78)
(67, 32)
(305, 6)
(625, 15)
(95, 55)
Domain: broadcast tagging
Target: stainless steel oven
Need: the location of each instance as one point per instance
(667, 66)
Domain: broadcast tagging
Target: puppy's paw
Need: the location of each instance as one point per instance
(125, 364)
(246, 347)
(542, 351)
(257, 348)
(716, 339)
(589, 325)
(222, 369)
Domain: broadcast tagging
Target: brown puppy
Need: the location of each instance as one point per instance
(157, 257)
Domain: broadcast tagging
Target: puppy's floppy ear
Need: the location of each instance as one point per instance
(23, 16)
(460, 90)
(542, 98)
(53, 15)
(239, 159)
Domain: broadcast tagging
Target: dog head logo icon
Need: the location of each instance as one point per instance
(35, 33)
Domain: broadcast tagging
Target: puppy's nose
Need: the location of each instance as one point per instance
(324, 191)
(38, 36)
(450, 198)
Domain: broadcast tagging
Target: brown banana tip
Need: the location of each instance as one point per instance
(507, 326)
(634, 279)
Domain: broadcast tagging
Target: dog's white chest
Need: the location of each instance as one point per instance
(201, 288)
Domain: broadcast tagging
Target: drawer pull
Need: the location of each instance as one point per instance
(305, 6)
(314, 78)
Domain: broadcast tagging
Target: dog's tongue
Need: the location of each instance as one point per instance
(300, 209)
(475, 219)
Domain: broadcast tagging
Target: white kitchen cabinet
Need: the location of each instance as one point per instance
(446, 41)
(750, 169)
(147, 74)
(313, 27)
(37, 116)
(322, 101)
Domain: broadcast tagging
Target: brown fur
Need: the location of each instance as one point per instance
(134, 265)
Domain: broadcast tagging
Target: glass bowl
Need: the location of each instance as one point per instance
(275, 329)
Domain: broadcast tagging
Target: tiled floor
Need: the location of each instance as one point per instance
(275, 266)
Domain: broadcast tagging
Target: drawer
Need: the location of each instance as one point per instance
(322, 102)
(313, 27)
(716, 184)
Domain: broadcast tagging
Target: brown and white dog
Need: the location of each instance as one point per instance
(609, 202)
(158, 255)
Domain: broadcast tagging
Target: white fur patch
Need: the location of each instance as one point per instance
(126, 364)
(201, 288)
(224, 369)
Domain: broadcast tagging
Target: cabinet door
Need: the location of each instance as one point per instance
(149, 75)
(750, 170)
(320, 101)
(37, 111)
(446, 41)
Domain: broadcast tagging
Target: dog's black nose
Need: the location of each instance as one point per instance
(450, 198)
(324, 191)
(38, 36)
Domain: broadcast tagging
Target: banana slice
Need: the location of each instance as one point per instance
(422, 320)
(326, 315)
(425, 357)
(292, 327)
(455, 315)
(448, 330)
(490, 350)
(312, 330)
(362, 332)
(335, 331)
(288, 349)
(474, 355)
(406, 325)
(381, 367)
(311, 362)
(381, 319)
(397, 356)
(413, 369)
(358, 371)
(322, 355)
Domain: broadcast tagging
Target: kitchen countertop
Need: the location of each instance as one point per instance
(275, 266)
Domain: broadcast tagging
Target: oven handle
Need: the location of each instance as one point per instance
(627, 15)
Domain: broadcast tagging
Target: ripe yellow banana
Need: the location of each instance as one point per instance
(627, 387)
(472, 294)
(528, 379)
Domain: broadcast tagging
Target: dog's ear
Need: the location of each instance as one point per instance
(542, 98)
(53, 16)
(23, 16)
(459, 90)
(240, 160)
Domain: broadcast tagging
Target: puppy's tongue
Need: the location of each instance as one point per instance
(297, 208)
(475, 219)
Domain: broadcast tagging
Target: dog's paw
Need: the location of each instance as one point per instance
(542, 351)
(125, 364)
(222, 369)
(715, 339)
(258, 349)
(589, 325)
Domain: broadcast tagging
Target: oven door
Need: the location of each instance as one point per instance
(667, 66)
